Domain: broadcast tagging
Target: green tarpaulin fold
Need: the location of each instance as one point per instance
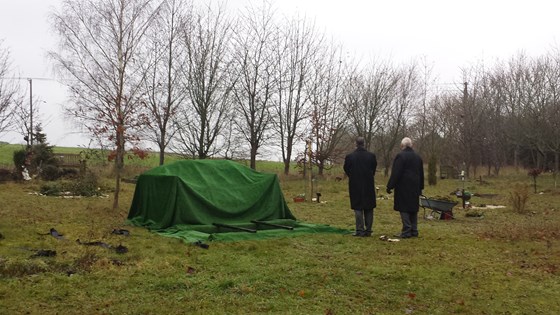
(193, 234)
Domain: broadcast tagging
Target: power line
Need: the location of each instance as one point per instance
(27, 78)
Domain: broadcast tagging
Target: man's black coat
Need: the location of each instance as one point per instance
(360, 167)
(407, 179)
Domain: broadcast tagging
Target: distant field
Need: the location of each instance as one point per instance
(99, 156)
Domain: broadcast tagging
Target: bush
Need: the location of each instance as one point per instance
(37, 159)
(41, 156)
(51, 189)
(86, 185)
(518, 198)
(50, 172)
(19, 161)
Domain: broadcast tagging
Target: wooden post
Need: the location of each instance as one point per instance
(310, 173)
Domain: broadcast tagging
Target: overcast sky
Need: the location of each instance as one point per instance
(449, 34)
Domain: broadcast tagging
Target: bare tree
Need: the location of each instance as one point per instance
(9, 90)
(526, 91)
(533, 109)
(368, 96)
(204, 116)
(255, 76)
(472, 122)
(541, 111)
(552, 112)
(164, 93)
(98, 56)
(513, 76)
(447, 126)
(21, 117)
(395, 115)
(328, 120)
(423, 127)
(372, 103)
(297, 52)
(233, 147)
(493, 133)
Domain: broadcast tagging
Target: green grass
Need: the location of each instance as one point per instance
(502, 263)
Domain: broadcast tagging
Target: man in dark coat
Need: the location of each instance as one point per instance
(360, 167)
(407, 179)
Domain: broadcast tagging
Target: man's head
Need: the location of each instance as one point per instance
(360, 142)
(406, 142)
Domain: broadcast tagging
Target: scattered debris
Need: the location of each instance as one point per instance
(54, 233)
(386, 238)
(201, 245)
(95, 243)
(44, 253)
(120, 249)
(488, 207)
(121, 232)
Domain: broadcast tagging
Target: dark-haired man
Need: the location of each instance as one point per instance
(360, 167)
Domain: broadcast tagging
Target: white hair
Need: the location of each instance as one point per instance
(406, 142)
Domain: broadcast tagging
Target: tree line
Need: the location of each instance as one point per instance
(203, 81)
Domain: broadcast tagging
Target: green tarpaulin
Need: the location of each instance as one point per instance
(213, 200)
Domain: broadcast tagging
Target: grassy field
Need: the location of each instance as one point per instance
(498, 262)
(95, 157)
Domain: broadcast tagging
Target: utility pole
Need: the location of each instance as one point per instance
(465, 166)
(31, 111)
(465, 94)
(310, 175)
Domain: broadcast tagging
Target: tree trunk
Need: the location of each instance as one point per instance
(320, 168)
(117, 189)
(556, 166)
(119, 163)
(287, 158)
(161, 156)
(253, 164)
(286, 166)
(161, 145)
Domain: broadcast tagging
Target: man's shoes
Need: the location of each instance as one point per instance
(402, 236)
(361, 234)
